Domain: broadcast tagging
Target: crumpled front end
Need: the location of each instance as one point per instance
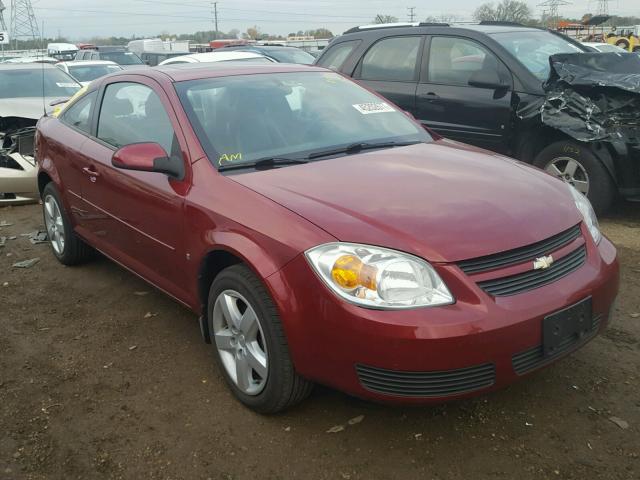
(18, 169)
(592, 97)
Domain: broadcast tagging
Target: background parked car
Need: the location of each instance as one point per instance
(474, 83)
(21, 105)
(117, 55)
(604, 47)
(62, 51)
(278, 53)
(155, 58)
(218, 56)
(87, 71)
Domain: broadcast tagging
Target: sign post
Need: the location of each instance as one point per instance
(4, 40)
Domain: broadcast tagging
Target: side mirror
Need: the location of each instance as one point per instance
(487, 79)
(147, 157)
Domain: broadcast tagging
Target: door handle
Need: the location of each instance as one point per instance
(90, 172)
(430, 96)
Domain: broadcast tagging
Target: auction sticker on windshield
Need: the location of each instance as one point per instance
(373, 107)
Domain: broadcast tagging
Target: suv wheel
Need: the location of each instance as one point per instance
(67, 247)
(250, 344)
(579, 167)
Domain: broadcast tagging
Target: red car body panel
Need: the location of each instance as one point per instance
(441, 201)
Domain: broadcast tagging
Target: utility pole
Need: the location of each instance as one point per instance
(214, 11)
(23, 21)
(412, 13)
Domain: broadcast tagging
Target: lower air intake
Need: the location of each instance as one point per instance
(427, 384)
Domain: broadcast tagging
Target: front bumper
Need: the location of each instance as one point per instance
(478, 344)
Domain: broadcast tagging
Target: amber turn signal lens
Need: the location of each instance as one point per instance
(349, 272)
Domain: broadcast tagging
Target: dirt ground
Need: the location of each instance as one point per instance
(101, 380)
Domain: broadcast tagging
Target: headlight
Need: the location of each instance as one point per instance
(378, 277)
(589, 216)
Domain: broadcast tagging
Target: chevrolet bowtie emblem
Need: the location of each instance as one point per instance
(542, 263)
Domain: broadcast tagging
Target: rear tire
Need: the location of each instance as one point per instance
(66, 246)
(577, 165)
(280, 387)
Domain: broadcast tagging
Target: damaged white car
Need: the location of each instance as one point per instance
(26, 92)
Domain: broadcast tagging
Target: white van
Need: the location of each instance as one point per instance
(62, 51)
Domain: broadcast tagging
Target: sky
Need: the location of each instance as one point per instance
(77, 19)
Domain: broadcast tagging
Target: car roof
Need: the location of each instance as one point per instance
(195, 71)
(89, 63)
(221, 56)
(482, 27)
(27, 66)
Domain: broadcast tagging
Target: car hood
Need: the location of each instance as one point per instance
(30, 107)
(443, 201)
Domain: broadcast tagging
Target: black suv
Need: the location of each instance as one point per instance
(472, 83)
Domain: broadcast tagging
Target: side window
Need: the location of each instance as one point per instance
(392, 59)
(337, 54)
(133, 113)
(78, 115)
(95, 56)
(453, 61)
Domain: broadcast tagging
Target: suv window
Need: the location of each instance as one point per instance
(392, 59)
(78, 115)
(453, 60)
(337, 54)
(133, 113)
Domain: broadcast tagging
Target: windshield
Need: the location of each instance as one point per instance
(290, 55)
(244, 118)
(122, 58)
(533, 49)
(87, 73)
(23, 83)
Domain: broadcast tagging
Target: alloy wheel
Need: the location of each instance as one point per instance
(240, 342)
(571, 171)
(54, 224)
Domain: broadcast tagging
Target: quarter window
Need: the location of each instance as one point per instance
(392, 59)
(133, 113)
(337, 55)
(453, 60)
(78, 115)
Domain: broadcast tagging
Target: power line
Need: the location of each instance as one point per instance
(412, 13)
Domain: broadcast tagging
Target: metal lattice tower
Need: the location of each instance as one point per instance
(553, 6)
(23, 22)
(603, 7)
(3, 25)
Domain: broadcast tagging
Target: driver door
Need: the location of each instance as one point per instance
(449, 105)
(138, 216)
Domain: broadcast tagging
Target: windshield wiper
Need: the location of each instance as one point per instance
(263, 164)
(358, 147)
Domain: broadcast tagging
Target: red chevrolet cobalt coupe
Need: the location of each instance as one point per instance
(322, 234)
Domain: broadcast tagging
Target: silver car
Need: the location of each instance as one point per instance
(26, 92)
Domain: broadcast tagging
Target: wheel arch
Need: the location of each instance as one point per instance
(531, 142)
(222, 256)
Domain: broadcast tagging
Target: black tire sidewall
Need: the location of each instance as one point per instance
(601, 186)
(279, 363)
(51, 190)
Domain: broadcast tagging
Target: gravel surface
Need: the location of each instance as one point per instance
(101, 376)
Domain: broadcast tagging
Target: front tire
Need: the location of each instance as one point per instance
(66, 246)
(250, 343)
(578, 166)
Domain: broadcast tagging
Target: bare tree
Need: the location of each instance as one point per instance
(505, 11)
(385, 19)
